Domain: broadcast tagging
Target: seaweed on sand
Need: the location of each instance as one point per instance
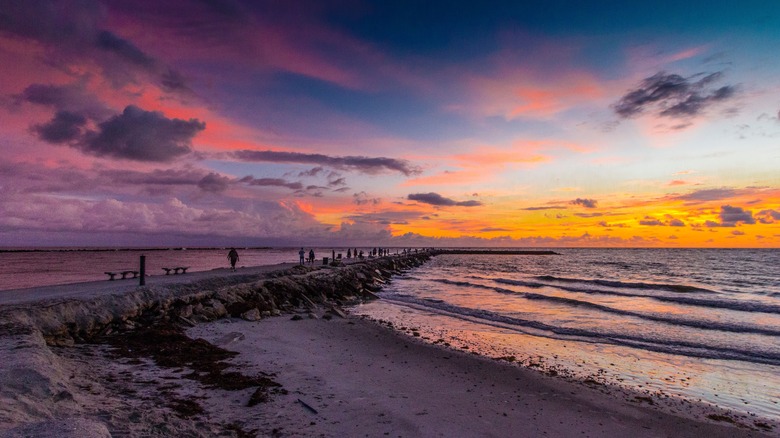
(169, 347)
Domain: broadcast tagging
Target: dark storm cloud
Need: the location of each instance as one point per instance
(369, 165)
(587, 203)
(63, 128)
(674, 96)
(439, 200)
(271, 182)
(142, 136)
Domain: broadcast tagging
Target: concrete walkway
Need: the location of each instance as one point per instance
(96, 288)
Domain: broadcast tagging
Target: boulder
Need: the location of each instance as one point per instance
(251, 315)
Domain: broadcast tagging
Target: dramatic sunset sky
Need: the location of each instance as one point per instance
(538, 123)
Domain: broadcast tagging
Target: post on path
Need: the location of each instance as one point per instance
(142, 271)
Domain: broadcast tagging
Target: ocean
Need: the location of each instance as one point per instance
(700, 325)
(679, 325)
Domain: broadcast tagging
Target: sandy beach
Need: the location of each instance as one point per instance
(364, 379)
(313, 370)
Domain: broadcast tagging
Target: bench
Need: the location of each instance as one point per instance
(176, 270)
(124, 274)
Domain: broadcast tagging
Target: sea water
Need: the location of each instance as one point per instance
(699, 325)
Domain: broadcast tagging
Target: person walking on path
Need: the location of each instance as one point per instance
(233, 257)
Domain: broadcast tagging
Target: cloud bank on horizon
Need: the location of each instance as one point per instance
(237, 122)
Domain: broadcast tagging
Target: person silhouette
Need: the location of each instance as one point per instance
(311, 256)
(301, 253)
(233, 257)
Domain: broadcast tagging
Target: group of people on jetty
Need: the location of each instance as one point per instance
(353, 253)
(232, 255)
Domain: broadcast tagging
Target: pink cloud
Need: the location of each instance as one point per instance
(522, 92)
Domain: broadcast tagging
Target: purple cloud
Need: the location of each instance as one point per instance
(768, 216)
(552, 207)
(651, 222)
(587, 203)
(73, 98)
(731, 216)
(439, 200)
(671, 95)
(135, 134)
(72, 30)
(271, 182)
(65, 127)
(142, 135)
(369, 165)
(214, 183)
(709, 195)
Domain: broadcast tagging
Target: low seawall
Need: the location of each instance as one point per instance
(34, 382)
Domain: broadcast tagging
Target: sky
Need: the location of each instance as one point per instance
(389, 123)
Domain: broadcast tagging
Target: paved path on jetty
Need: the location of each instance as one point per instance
(97, 288)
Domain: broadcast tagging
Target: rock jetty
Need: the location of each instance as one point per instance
(34, 382)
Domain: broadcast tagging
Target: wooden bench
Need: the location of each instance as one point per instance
(124, 274)
(176, 270)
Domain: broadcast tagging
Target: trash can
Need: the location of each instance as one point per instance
(324, 261)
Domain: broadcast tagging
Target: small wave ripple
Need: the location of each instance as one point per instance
(644, 341)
